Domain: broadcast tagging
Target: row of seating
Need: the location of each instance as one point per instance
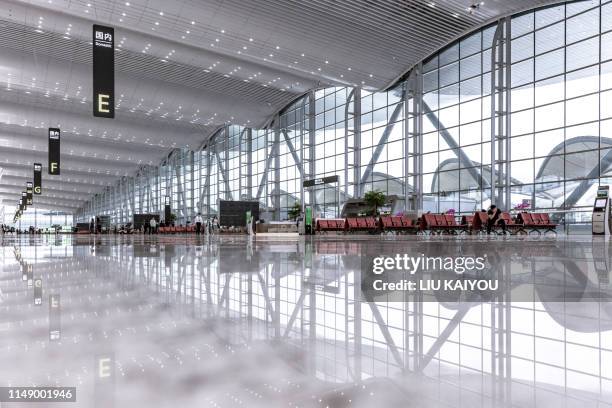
(398, 224)
(525, 222)
(537, 222)
(324, 225)
(439, 223)
(368, 224)
(350, 224)
(176, 230)
(385, 223)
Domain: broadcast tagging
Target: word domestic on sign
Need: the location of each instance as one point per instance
(54, 151)
(37, 178)
(103, 71)
(324, 180)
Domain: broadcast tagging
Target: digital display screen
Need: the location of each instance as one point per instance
(600, 202)
(602, 191)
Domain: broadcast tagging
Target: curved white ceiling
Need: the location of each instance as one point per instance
(184, 68)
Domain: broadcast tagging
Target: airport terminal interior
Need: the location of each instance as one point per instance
(249, 203)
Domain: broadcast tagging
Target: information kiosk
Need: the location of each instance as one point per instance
(601, 212)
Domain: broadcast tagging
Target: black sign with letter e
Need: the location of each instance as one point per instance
(103, 71)
(54, 151)
(29, 193)
(37, 178)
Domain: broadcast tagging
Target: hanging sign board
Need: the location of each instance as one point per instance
(103, 71)
(37, 178)
(54, 151)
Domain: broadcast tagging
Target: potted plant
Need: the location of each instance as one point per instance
(375, 199)
(171, 219)
(295, 211)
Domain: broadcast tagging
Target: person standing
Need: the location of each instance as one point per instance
(91, 226)
(152, 225)
(198, 222)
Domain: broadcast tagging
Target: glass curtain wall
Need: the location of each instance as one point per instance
(559, 149)
(42, 219)
(559, 113)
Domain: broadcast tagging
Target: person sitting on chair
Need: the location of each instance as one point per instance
(494, 215)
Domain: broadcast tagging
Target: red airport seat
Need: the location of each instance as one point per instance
(550, 225)
(511, 225)
(452, 225)
(480, 221)
(370, 223)
(430, 223)
(396, 222)
(352, 224)
(361, 224)
(386, 223)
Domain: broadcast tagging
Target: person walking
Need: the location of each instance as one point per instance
(91, 226)
(198, 222)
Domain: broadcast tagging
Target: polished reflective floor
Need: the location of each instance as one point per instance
(176, 321)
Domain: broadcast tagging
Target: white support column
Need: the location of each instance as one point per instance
(249, 167)
(500, 115)
(277, 192)
(308, 157)
(413, 140)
